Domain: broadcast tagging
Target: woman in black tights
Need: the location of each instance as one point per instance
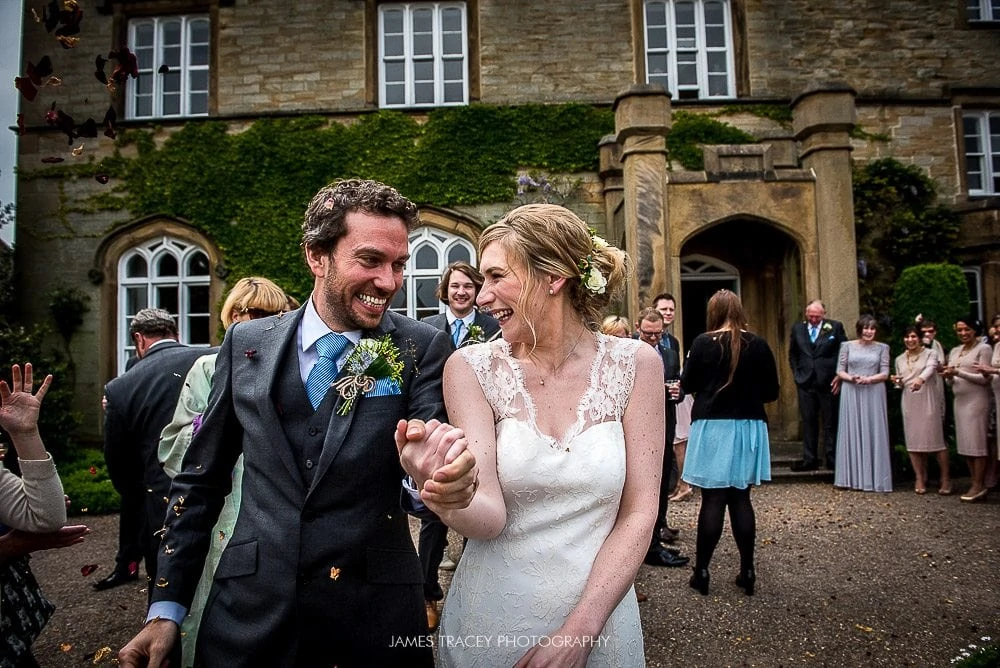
(731, 374)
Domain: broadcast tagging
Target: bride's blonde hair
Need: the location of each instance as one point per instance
(551, 240)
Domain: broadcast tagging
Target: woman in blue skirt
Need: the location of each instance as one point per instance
(731, 374)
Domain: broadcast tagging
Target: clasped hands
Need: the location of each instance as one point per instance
(436, 455)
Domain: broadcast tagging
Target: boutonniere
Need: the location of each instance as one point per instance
(476, 334)
(826, 328)
(370, 361)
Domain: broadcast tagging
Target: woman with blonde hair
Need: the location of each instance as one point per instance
(732, 374)
(568, 455)
(616, 325)
(250, 298)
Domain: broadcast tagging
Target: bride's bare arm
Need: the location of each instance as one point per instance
(619, 558)
(468, 410)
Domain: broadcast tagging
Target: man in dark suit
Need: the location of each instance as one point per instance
(667, 306)
(813, 353)
(650, 327)
(458, 290)
(320, 568)
(139, 403)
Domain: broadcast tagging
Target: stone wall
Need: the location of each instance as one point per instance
(890, 48)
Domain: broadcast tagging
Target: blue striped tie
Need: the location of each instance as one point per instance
(329, 347)
(456, 332)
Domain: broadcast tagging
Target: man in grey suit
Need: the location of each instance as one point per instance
(813, 352)
(320, 569)
(139, 403)
(458, 289)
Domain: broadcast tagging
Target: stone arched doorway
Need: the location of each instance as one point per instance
(762, 264)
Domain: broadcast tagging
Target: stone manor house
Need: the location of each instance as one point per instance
(772, 220)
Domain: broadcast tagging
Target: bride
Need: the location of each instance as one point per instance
(568, 455)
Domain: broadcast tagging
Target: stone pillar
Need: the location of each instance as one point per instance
(642, 120)
(822, 119)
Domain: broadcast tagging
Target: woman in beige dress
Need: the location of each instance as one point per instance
(972, 402)
(992, 373)
(922, 429)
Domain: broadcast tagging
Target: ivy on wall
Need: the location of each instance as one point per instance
(247, 190)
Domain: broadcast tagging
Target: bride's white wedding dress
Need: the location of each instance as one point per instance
(562, 497)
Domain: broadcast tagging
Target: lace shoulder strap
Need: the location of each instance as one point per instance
(615, 371)
(497, 376)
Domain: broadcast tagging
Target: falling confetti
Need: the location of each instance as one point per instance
(65, 646)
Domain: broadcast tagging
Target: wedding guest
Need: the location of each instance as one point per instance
(922, 428)
(139, 404)
(971, 402)
(651, 329)
(616, 325)
(732, 374)
(864, 459)
(992, 373)
(813, 346)
(928, 334)
(250, 298)
(32, 502)
(568, 454)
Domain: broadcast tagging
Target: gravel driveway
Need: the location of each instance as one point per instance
(844, 579)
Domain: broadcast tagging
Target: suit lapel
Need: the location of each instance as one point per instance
(340, 425)
(275, 343)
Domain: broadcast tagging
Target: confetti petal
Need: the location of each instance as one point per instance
(93, 470)
(102, 179)
(88, 569)
(102, 654)
(65, 646)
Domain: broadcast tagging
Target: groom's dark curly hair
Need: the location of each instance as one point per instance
(325, 216)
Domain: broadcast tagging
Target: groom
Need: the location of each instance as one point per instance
(320, 569)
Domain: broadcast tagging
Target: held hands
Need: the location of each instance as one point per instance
(18, 406)
(436, 456)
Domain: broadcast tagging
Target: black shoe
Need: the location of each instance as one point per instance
(119, 577)
(747, 579)
(804, 466)
(661, 557)
(673, 550)
(699, 580)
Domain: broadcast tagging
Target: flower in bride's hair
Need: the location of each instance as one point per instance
(594, 281)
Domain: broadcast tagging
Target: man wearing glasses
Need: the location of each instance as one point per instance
(650, 328)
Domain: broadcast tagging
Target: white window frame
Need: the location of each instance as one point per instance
(151, 252)
(444, 244)
(982, 11)
(985, 160)
(408, 59)
(974, 277)
(185, 71)
(701, 50)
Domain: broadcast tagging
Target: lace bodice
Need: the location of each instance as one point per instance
(612, 375)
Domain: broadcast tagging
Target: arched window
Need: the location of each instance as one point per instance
(168, 273)
(431, 251)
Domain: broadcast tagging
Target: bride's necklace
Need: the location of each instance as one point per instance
(911, 359)
(555, 369)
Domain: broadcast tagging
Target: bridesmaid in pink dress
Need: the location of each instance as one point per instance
(972, 402)
(916, 367)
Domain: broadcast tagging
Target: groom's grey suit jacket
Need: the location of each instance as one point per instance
(320, 569)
